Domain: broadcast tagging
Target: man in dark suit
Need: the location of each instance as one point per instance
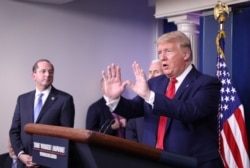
(191, 127)
(135, 126)
(99, 118)
(57, 109)
(5, 160)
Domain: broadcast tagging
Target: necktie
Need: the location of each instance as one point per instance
(120, 130)
(38, 107)
(163, 120)
(14, 163)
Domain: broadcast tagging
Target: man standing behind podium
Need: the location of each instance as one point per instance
(57, 109)
(99, 118)
(191, 127)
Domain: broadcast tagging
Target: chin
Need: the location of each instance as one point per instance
(166, 72)
(46, 85)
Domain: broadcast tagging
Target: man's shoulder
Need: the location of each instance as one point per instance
(198, 75)
(208, 77)
(99, 102)
(27, 93)
(60, 92)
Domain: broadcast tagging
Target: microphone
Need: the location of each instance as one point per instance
(103, 125)
(108, 126)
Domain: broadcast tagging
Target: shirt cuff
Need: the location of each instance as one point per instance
(151, 99)
(21, 152)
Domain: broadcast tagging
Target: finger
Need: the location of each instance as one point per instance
(129, 83)
(139, 70)
(104, 76)
(113, 70)
(109, 72)
(118, 72)
(142, 74)
(136, 68)
(123, 85)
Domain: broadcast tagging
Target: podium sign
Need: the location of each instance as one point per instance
(50, 151)
(92, 149)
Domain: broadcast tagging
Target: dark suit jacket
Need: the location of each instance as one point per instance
(58, 110)
(135, 129)
(97, 116)
(5, 160)
(192, 124)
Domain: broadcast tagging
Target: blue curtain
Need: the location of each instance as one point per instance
(241, 58)
(168, 26)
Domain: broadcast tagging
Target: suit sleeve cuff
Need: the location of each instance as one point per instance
(19, 154)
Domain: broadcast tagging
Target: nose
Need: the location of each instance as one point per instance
(162, 56)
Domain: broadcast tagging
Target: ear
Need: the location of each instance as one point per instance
(33, 75)
(187, 55)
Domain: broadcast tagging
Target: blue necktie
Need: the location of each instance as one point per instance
(38, 107)
(14, 163)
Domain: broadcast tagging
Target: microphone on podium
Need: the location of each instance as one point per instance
(109, 125)
(103, 125)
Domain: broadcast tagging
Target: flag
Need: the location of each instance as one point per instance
(233, 143)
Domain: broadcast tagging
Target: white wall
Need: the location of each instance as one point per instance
(81, 38)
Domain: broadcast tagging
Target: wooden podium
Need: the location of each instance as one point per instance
(91, 149)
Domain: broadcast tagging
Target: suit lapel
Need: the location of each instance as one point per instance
(189, 79)
(30, 106)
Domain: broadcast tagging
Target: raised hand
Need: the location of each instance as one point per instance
(113, 86)
(140, 87)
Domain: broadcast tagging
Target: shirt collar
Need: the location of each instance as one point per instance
(182, 76)
(45, 92)
(106, 98)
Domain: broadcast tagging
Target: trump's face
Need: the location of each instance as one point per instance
(173, 59)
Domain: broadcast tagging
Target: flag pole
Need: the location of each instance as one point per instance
(221, 12)
(233, 141)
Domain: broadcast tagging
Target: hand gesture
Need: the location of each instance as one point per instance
(141, 86)
(113, 86)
